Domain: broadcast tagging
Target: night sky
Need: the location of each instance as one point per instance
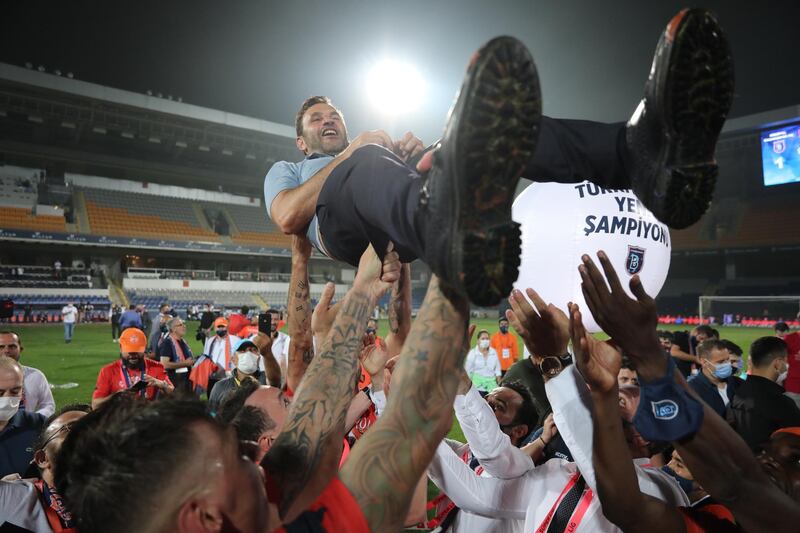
(262, 59)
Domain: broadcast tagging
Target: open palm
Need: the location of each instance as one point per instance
(598, 362)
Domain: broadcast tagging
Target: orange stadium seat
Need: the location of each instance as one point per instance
(22, 218)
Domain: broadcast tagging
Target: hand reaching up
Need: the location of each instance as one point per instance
(544, 330)
(376, 276)
(597, 361)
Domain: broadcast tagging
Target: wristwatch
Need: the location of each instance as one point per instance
(552, 365)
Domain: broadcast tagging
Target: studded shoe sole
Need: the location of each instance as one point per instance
(687, 99)
(490, 135)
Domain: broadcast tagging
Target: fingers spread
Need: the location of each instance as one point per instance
(611, 274)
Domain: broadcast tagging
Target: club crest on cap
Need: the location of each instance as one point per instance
(665, 409)
(635, 260)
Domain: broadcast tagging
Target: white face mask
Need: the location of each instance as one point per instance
(247, 363)
(9, 405)
(483, 344)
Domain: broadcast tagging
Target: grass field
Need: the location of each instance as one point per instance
(92, 347)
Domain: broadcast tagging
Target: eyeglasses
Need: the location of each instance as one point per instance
(66, 428)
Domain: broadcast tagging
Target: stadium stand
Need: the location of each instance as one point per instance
(143, 215)
(254, 227)
(23, 218)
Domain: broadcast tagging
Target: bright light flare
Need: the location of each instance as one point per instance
(395, 88)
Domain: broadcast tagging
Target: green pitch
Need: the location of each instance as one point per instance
(92, 347)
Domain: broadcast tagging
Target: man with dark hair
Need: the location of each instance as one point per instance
(683, 360)
(130, 319)
(158, 330)
(38, 396)
(280, 341)
(346, 195)
(715, 383)
(506, 345)
(529, 374)
(35, 504)
(760, 407)
(792, 340)
(736, 353)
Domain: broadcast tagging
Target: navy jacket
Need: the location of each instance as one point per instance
(709, 392)
(16, 439)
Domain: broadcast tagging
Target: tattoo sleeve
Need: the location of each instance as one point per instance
(399, 312)
(301, 346)
(383, 470)
(305, 456)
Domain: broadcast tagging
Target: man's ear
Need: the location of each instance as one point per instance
(41, 459)
(301, 145)
(199, 516)
(520, 431)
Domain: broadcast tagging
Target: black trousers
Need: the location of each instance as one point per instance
(372, 197)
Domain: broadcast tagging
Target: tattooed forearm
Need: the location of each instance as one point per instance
(384, 468)
(315, 425)
(301, 345)
(399, 311)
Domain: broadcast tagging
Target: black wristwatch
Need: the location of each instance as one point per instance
(552, 365)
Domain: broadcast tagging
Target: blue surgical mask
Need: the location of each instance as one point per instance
(686, 484)
(370, 331)
(723, 370)
(503, 329)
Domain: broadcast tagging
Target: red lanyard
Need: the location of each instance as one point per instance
(577, 516)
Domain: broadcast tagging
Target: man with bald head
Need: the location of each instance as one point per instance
(18, 427)
(38, 396)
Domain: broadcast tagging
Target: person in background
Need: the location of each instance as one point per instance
(18, 427)
(482, 365)
(245, 367)
(715, 382)
(130, 319)
(147, 321)
(792, 340)
(38, 397)
(132, 372)
(506, 345)
(114, 316)
(236, 321)
(280, 342)
(159, 328)
(220, 349)
(737, 363)
(69, 315)
(760, 406)
(176, 356)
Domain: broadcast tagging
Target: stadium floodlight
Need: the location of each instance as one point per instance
(395, 87)
(204, 148)
(99, 129)
(127, 134)
(225, 151)
(249, 156)
(34, 118)
(154, 140)
(70, 75)
(68, 125)
(181, 144)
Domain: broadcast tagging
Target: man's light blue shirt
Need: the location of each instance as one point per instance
(287, 175)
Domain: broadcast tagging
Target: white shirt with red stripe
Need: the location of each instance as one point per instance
(534, 495)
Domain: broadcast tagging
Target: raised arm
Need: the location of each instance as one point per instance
(384, 468)
(720, 461)
(399, 312)
(617, 483)
(305, 455)
(301, 347)
(271, 367)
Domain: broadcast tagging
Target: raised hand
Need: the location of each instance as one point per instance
(597, 361)
(407, 147)
(630, 322)
(373, 358)
(371, 137)
(376, 276)
(324, 313)
(544, 330)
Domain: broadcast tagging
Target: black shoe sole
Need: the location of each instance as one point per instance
(699, 92)
(496, 121)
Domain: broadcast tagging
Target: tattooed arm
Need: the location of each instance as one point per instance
(271, 367)
(301, 348)
(399, 312)
(385, 467)
(305, 456)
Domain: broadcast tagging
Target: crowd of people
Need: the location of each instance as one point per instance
(333, 428)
